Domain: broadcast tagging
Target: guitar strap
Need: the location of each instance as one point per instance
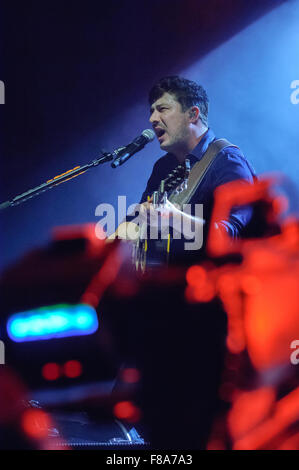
(199, 171)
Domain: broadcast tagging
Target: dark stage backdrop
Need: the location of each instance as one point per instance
(76, 77)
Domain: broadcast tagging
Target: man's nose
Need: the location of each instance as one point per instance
(154, 117)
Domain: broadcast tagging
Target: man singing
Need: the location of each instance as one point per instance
(179, 117)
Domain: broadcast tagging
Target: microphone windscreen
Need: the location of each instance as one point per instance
(148, 134)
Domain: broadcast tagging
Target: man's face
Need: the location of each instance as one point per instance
(170, 123)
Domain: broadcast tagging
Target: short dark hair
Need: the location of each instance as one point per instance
(186, 92)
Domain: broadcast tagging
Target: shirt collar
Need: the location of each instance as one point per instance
(203, 144)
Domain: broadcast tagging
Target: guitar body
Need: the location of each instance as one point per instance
(147, 252)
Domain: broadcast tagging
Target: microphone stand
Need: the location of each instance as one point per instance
(78, 170)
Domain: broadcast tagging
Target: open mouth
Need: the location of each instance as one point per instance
(159, 132)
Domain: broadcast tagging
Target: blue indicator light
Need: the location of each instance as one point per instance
(56, 321)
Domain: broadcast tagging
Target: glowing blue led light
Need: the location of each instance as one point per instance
(56, 321)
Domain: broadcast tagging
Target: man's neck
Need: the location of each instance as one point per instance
(181, 154)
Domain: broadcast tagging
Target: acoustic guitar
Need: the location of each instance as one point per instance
(174, 183)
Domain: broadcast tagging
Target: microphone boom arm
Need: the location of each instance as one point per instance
(66, 176)
(119, 156)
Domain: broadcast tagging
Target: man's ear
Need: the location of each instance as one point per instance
(194, 114)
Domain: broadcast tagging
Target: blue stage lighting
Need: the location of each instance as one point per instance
(56, 321)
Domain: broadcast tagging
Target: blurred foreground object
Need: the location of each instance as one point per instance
(57, 349)
(260, 295)
(194, 357)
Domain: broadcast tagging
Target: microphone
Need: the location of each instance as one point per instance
(124, 153)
